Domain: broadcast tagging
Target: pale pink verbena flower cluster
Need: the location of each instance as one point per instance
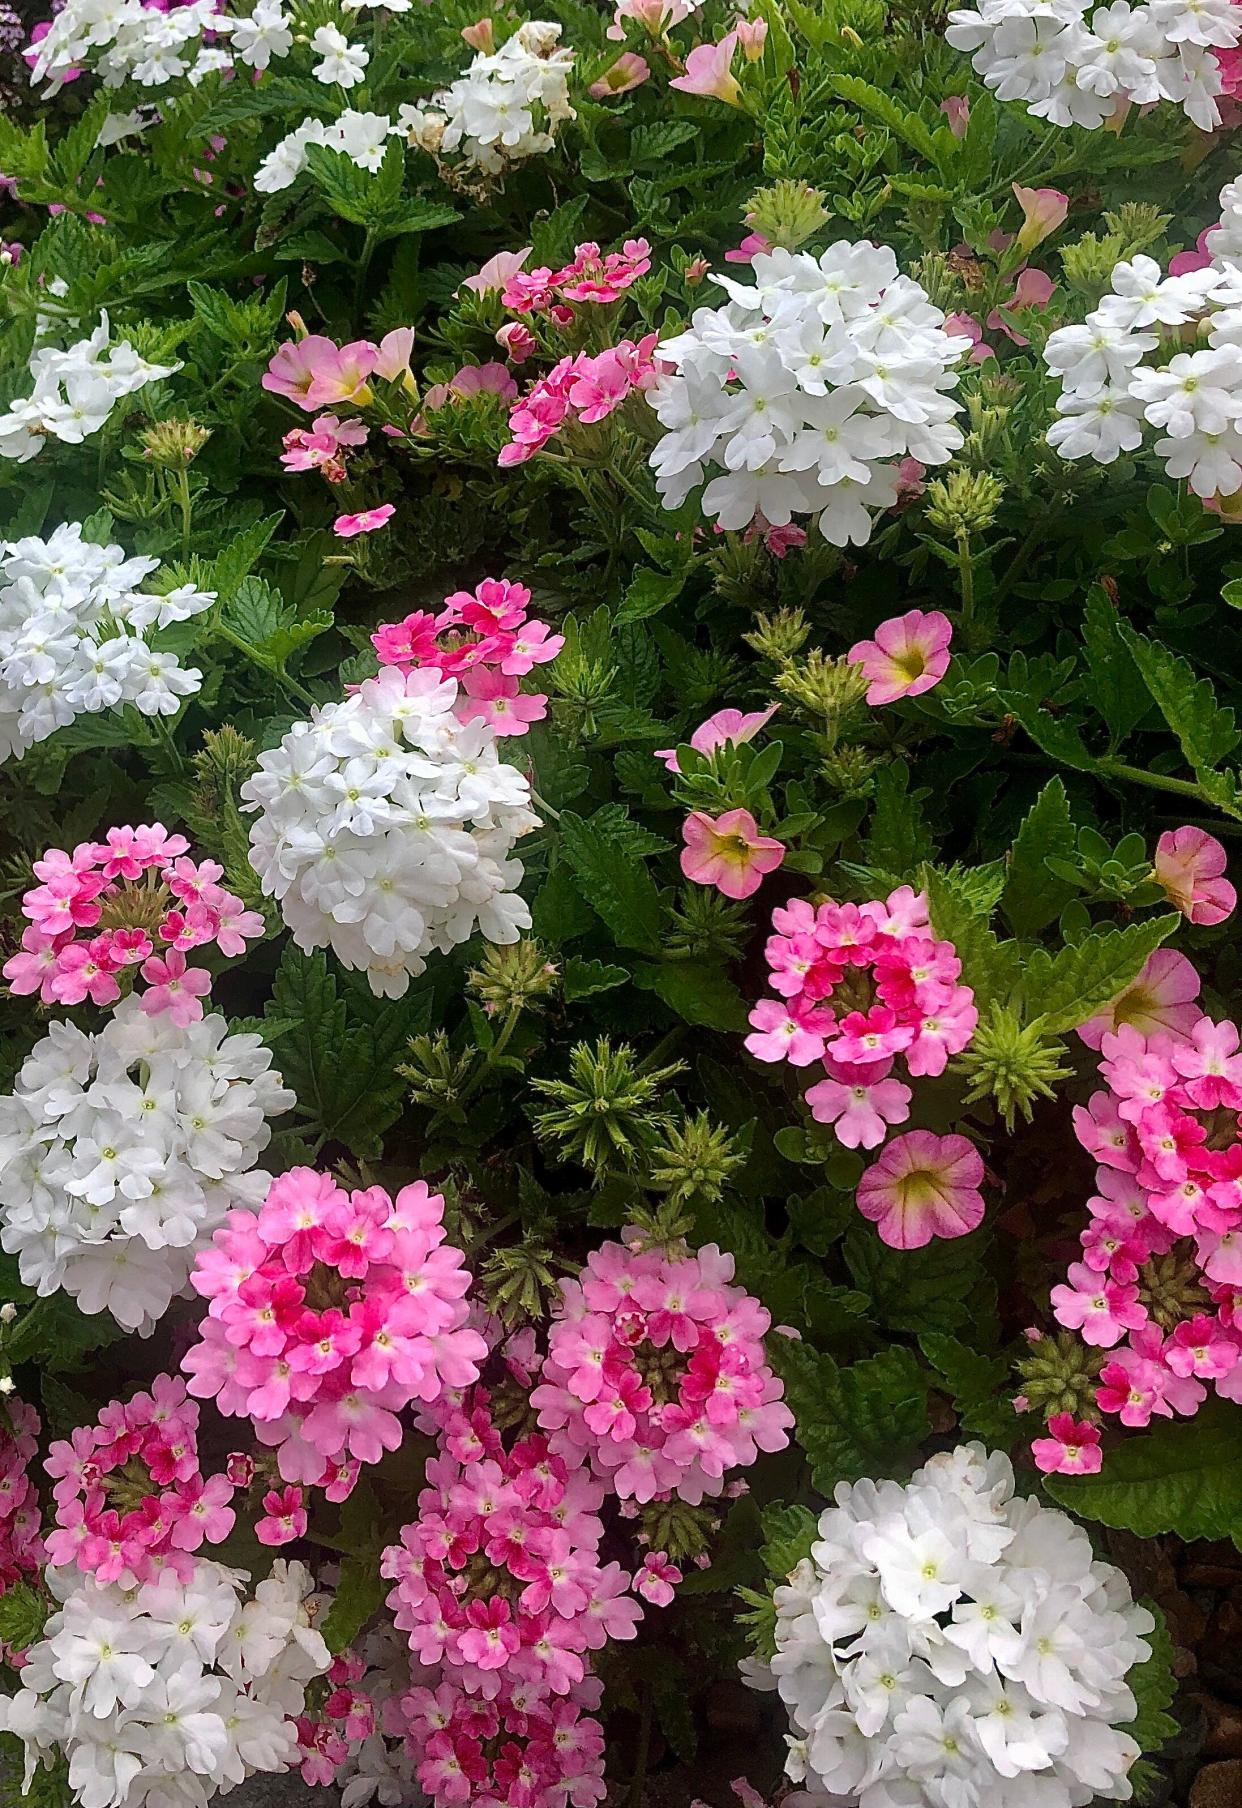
(21, 1546)
(330, 1312)
(861, 986)
(124, 1149)
(591, 276)
(950, 1642)
(73, 636)
(172, 1692)
(1159, 1284)
(1076, 63)
(484, 639)
(656, 1371)
(803, 394)
(386, 827)
(132, 1503)
(1130, 367)
(582, 389)
(323, 446)
(104, 910)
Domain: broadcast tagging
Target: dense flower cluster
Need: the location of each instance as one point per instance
(585, 388)
(1125, 369)
(860, 986)
(153, 45)
(102, 911)
(170, 1692)
(1159, 1282)
(507, 106)
(356, 1740)
(1077, 63)
(590, 277)
(21, 1547)
(72, 627)
(124, 1149)
(484, 639)
(131, 1500)
(386, 827)
(74, 391)
(656, 1370)
(948, 1641)
(361, 136)
(808, 388)
(523, 1745)
(329, 1313)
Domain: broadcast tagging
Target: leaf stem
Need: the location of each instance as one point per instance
(1155, 781)
(271, 666)
(541, 803)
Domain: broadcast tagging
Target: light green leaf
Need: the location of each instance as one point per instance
(1182, 1478)
(1207, 732)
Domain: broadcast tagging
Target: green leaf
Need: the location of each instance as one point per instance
(649, 592)
(1182, 1478)
(789, 1532)
(23, 1615)
(359, 1593)
(989, 966)
(584, 978)
(1117, 687)
(55, 1333)
(865, 1419)
(1034, 897)
(618, 888)
(671, 1695)
(897, 838)
(977, 1384)
(241, 555)
(697, 991)
(1154, 1687)
(889, 112)
(1207, 732)
(1065, 988)
(941, 1288)
(1058, 738)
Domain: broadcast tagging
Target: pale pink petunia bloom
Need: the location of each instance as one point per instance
(1161, 998)
(629, 71)
(1190, 867)
(1033, 289)
(707, 72)
(749, 249)
(728, 852)
(727, 727)
(496, 272)
(365, 522)
(480, 36)
(923, 1186)
(751, 35)
(909, 655)
(965, 326)
(956, 109)
(1043, 210)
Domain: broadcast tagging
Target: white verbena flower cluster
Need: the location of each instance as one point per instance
(506, 107)
(1124, 370)
(363, 137)
(170, 1693)
(386, 826)
(948, 1644)
(1079, 64)
(72, 636)
(122, 1151)
(126, 41)
(806, 388)
(74, 391)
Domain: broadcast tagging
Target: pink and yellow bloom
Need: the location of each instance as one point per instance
(1190, 867)
(727, 727)
(708, 72)
(728, 852)
(1043, 210)
(909, 655)
(1069, 1449)
(629, 71)
(923, 1186)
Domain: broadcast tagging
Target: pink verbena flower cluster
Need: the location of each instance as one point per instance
(329, 1313)
(656, 1369)
(485, 640)
(499, 1576)
(590, 277)
(21, 1547)
(322, 446)
(100, 912)
(523, 1748)
(860, 986)
(131, 1500)
(1159, 1284)
(585, 388)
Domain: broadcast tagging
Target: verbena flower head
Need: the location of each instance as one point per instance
(386, 827)
(808, 388)
(73, 626)
(172, 1691)
(524, 1744)
(21, 1546)
(123, 1151)
(948, 1641)
(507, 107)
(329, 1313)
(152, 46)
(73, 392)
(656, 1369)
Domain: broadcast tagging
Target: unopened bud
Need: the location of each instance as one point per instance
(787, 213)
(964, 503)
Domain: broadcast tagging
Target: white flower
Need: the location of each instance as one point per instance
(385, 828)
(505, 108)
(264, 35)
(341, 62)
(124, 1150)
(74, 391)
(949, 1645)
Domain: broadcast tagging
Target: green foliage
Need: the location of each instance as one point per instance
(1184, 1478)
(863, 1418)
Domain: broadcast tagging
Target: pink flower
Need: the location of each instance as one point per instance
(284, 1517)
(629, 71)
(749, 249)
(1201, 258)
(496, 272)
(751, 35)
(497, 700)
(728, 727)
(1161, 998)
(965, 326)
(174, 987)
(315, 372)
(728, 852)
(1070, 1449)
(1033, 289)
(707, 72)
(657, 1579)
(786, 1033)
(517, 341)
(1202, 1347)
(909, 655)
(1190, 865)
(480, 36)
(367, 521)
(923, 1186)
(956, 109)
(1101, 1310)
(861, 1103)
(1043, 210)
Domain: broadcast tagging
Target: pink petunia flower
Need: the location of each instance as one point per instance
(728, 727)
(923, 1186)
(728, 852)
(1043, 210)
(708, 72)
(909, 655)
(1161, 998)
(367, 521)
(629, 71)
(1190, 866)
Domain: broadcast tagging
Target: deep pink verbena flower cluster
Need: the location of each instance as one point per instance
(656, 1370)
(131, 1500)
(99, 914)
(485, 639)
(329, 1313)
(523, 1748)
(21, 1547)
(860, 986)
(585, 388)
(1159, 1284)
(591, 276)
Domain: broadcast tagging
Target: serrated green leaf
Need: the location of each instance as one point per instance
(359, 1593)
(989, 966)
(1117, 687)
(584, 978)
(977, 1385)
(1182, 1478)
(889, 112)
(1206, 731)
(1033, 896)
(941, 1288)
(788, 1534)
(619, 889)
(867, 1418)
(23, 1615)
(697, 991)
(649, 592)
(1065, 988)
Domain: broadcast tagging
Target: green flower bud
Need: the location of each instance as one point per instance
(964, 503)
(1012, 1063)
(608, 1113)
(512, 978)
(173, 444)
(787, 213)
(780, 636)
(693, 1160)
(1061, 1374)
(1172, 1289)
